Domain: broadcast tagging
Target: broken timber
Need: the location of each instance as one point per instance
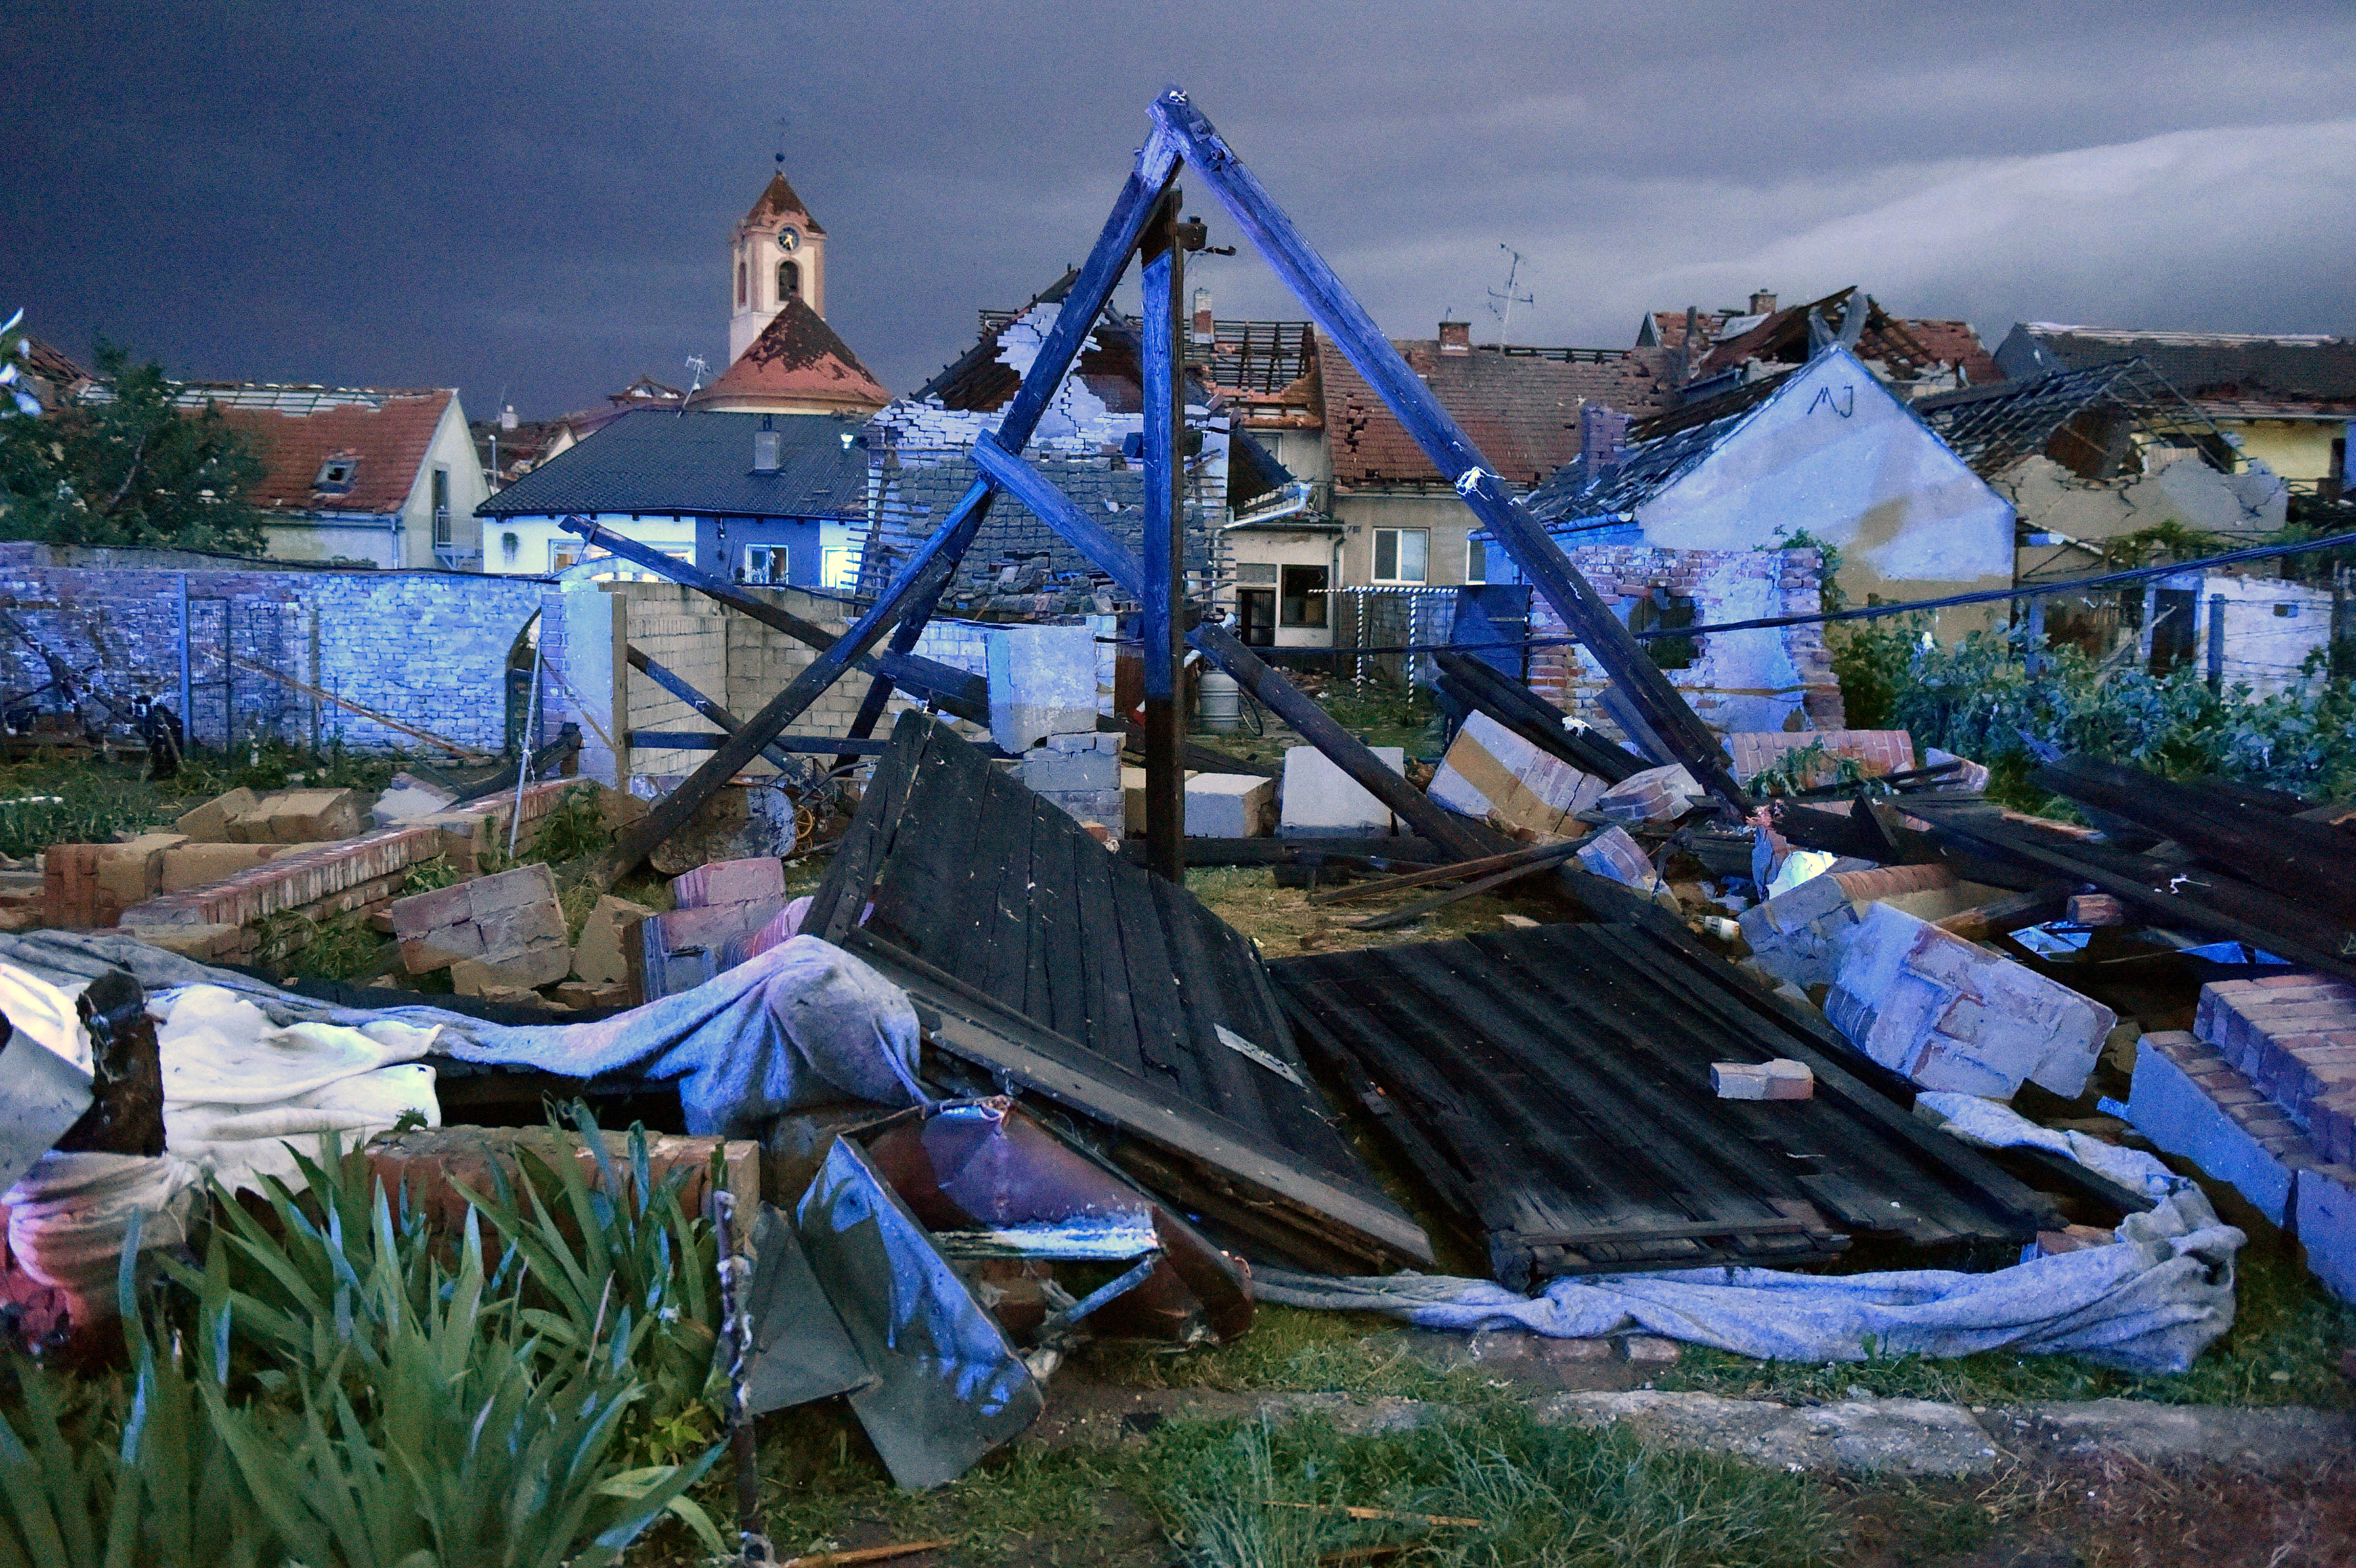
(677, 685)
(1041, 960)
(946, 688)
(1553, 1086)
(916, 587)
(1635, 679)
(1653, 709)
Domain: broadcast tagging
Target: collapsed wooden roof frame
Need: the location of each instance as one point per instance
(1144, 224)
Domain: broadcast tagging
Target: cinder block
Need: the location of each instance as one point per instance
(132, 872)
(209, 823)
(730, 883)
(1612, 854)
(1229, 805)
(1956, 1018)
(1042, 681)
(300, 816)
(1492, 773)
(1321, 801)
(2327, 1225)
(1778, 1079)
(1656, 795)
(1090, 771)
(188, 866)
(2189, 1101)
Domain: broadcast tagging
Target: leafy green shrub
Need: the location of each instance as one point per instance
(1978, 698)
(337, 1386)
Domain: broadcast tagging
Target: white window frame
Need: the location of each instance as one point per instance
(1398, 537)
(839, 567)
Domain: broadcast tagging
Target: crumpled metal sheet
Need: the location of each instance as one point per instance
(949, 1386)
(800, 1349)
(986, 1166)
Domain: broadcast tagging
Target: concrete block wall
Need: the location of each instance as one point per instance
(427, 649)
(1755, 681)
(741, 663)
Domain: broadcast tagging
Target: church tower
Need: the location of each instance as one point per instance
(778, 254)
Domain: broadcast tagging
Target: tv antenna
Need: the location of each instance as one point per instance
(1503, 301)
(698, 367)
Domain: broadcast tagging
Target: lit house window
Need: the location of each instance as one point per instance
(839, 568)
(1401, 554)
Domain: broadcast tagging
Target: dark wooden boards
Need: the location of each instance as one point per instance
(1553, 1086)
(979, 882)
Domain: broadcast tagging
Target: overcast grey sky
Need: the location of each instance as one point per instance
(537, 196)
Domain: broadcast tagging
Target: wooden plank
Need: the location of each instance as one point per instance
(1544, 854)
(1417, 409)
(952, 689)
(1112, 1015)
(1409, 913)
(699, 741)
(1067, 935)
(1463, 840)
(1013, 1048)
(1419, 852)
(842, 891)
(1163, 540)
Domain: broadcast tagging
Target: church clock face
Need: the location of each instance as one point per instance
(789, 239)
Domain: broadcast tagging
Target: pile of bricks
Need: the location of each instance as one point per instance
(500, 933)
(91, 885)
(1878, 751)
(1957, 1017)
(2262, 1094)
(1656, 795)
(721, 908)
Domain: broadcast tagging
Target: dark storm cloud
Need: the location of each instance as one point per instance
(535, 197)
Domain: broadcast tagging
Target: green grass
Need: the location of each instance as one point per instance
(1559, 1497)
(1292, 1349)
(93, 800)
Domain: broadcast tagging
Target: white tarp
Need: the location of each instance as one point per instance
(2148, 1304)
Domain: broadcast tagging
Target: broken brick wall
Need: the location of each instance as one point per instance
(429, 649)
(1772, 678)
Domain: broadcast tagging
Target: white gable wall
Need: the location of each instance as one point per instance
(1834, 453)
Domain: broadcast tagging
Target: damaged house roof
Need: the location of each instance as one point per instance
(1912, 348)
(1520, 406)
(2230, 375)
(2077, 418)
(661, 461)
(330, 449)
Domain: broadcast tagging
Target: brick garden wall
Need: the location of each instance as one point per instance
(427, 649)
(1737, 680)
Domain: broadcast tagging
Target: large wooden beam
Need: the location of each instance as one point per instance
(1634, 675)
(677, 686)
(1161, 546)
(1318, 728)
(924, 575)
(946, 687)
(1076, 318)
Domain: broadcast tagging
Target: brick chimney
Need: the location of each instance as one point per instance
(1762, 303)
(1456, 338)
(1204, 331)
(1602, 437)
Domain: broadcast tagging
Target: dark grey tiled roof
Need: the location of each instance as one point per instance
(919, 493)
(660, 461)
(1572, 495)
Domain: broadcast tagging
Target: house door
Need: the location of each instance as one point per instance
(1255, 612)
